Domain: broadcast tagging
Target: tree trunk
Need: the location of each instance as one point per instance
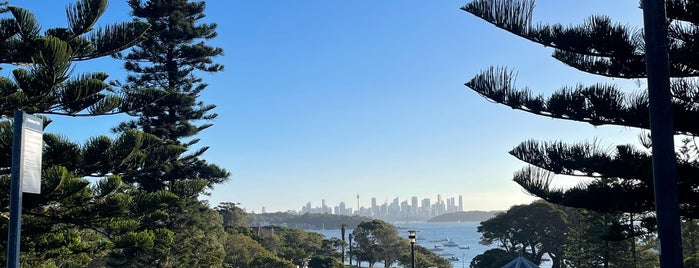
(555, 262)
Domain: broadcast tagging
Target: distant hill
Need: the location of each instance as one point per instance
(464, 216)
(305, 221)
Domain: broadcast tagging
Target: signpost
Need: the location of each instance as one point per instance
(27, 145)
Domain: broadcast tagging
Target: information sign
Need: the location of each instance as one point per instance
(32, 143)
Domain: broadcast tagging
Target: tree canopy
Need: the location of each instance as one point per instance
(535, 229)
(570, 237)
(41, 80)
(621, 177)
(167, 63)
(69, 218)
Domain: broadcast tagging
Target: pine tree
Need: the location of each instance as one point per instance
(622, 179)
(167, 62)
(66, 218)
(45, 85)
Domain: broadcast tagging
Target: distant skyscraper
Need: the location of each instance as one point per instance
(263, 210)
(413, 205)
(374, 208)
(410, 209)
(425, 208)
(343, 209)
(307, 208)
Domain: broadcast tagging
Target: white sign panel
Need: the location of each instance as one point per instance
(32, 144)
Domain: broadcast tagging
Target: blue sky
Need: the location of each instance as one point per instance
(330, 99)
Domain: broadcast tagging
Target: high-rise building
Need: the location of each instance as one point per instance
(324, 209)
(409, 209)
(374, 208)
(452, 205)
(404, 210)
(343, 209)
(425, 208)
(413, 205)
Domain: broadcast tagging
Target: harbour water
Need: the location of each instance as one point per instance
(431, 234)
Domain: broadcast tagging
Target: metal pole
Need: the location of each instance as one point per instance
(412, 236)
(13, 239)
(342, 231)
(412, 254)
(350, 249)
(662, 131)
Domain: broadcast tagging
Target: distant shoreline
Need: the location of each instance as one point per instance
(311, 221)
(465, 216)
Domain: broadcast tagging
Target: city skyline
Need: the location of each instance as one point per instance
(414, 207)
(324, 100)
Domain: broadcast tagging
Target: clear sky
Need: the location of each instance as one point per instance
(333, 99)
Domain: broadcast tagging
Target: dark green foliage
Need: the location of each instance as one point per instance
(166, 63)
(376, 241)
(535, 229)
(324, 262)
(493, 258)
(570, 237)
(66, 220)
(244, 252)
(45, 86)
(295, 245)
(621, 177)
(233, 216)
(606, 240)
(73, 219)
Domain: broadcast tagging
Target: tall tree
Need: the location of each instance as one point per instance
(377, 241)
(535, 229)
(622, 178)
(605, 240)
(244, 252)
(167, 61)
(46, 85)
(66, 218)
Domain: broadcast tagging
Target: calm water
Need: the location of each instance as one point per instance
(462, 233)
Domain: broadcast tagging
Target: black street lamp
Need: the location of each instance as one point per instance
(342, 231)
(350, 249)
(411, 236)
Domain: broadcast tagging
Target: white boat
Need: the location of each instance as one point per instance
(465, 247)
(454, 258)
(437, 248)
(450, 243)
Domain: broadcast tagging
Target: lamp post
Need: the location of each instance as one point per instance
(411, 236)
(350, 249)
(342, 231)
